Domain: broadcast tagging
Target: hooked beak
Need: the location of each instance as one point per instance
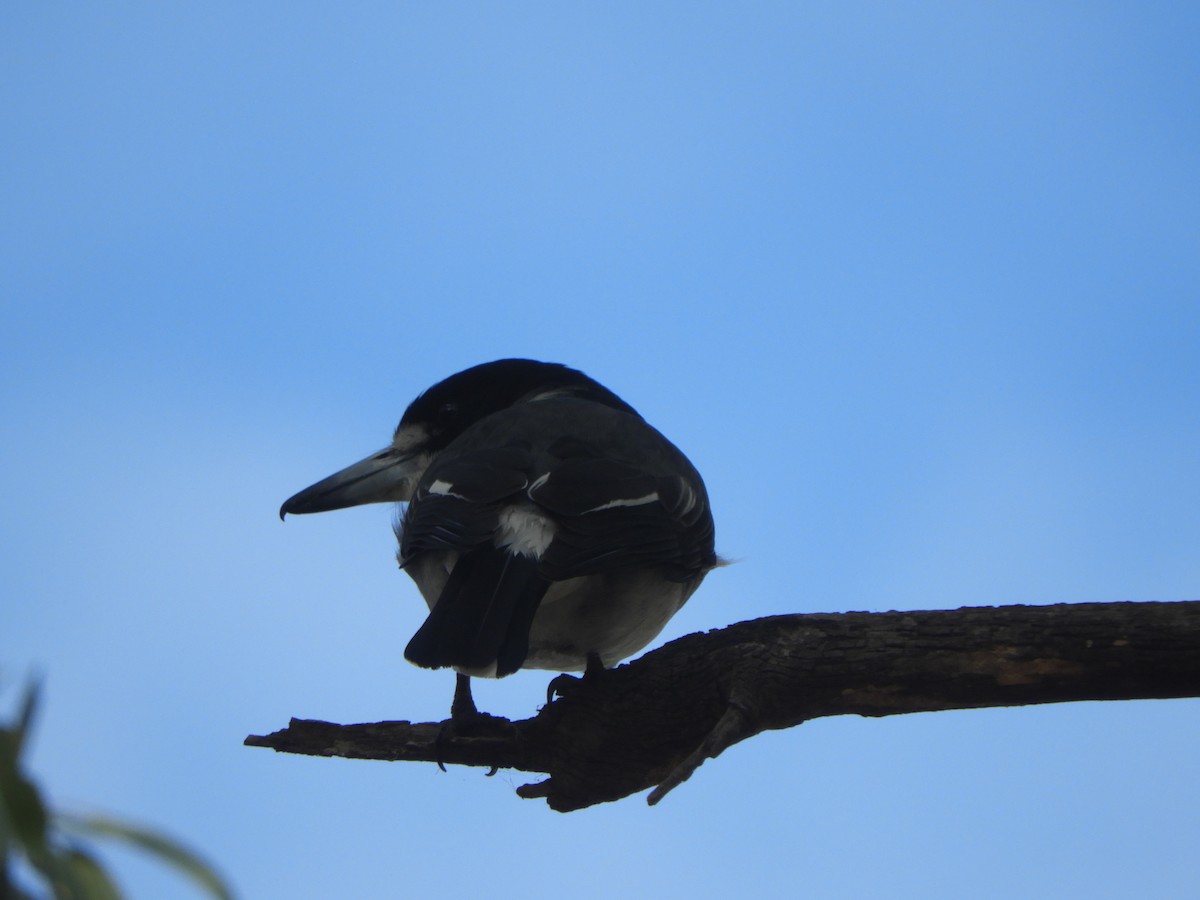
(387, 476)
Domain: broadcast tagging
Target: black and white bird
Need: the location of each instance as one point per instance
(548, 526)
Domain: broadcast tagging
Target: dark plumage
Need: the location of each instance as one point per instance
(547, 522)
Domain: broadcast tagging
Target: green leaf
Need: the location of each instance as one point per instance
(13, 734)
(22, 813)
(79, 877)
(23, 817)
(29, 705)
(169, 851)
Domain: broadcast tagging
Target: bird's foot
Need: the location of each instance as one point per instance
(564, 685)
(466, 721)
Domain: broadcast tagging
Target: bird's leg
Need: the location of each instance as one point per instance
(594, 667)
(463, 706)
(562, 685)
(466, 720)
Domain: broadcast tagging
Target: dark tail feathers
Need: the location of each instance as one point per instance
(484, 614)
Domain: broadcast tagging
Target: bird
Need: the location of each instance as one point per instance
(545, 523)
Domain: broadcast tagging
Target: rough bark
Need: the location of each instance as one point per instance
(652, 722)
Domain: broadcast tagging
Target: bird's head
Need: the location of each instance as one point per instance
(435, 419)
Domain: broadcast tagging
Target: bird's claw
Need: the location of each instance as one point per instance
(479, 725)
(466, 721)
(564, 685)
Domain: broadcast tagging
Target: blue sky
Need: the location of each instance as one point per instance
(916, 286)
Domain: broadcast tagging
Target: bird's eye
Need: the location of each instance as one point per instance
(447, 409)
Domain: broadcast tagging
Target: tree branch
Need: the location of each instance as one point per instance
(654, 721)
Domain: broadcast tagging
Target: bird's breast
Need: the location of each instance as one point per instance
(614, 614)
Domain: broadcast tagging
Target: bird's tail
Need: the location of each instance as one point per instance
(483, 614)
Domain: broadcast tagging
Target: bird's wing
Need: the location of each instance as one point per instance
(599, 514)
(612, 515)
(604, 513)
(457, 505)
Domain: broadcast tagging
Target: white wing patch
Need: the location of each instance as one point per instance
(624, 501)
(525, 531)
(443, 489)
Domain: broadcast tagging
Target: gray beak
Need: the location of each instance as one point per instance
(388, 476)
